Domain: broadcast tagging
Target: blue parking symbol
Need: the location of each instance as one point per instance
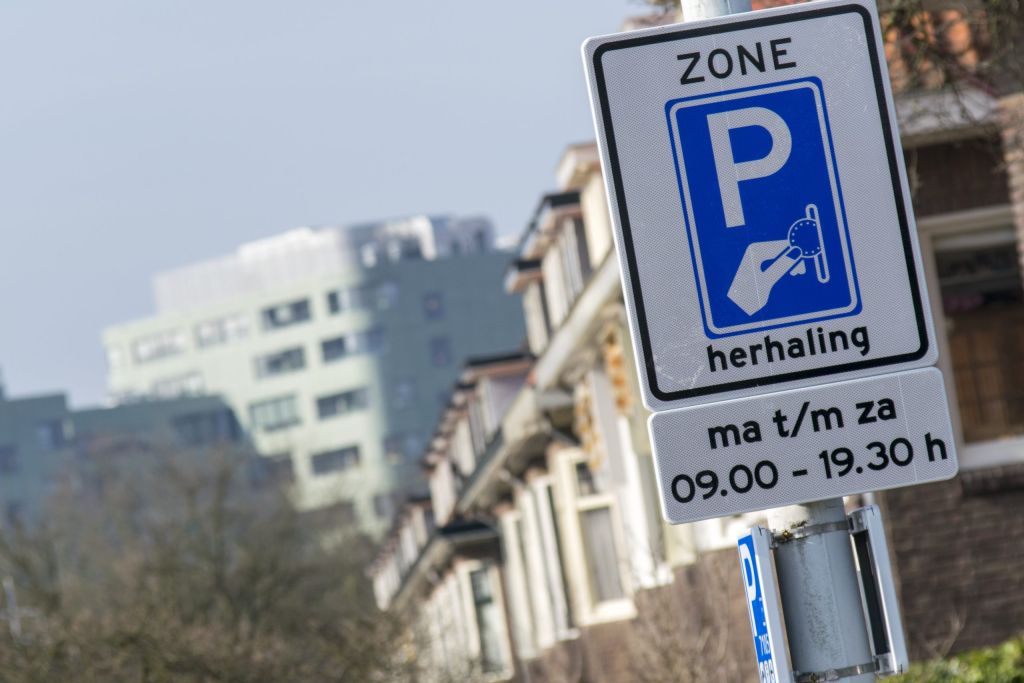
(763, 208)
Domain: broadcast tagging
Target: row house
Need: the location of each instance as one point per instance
(546, 532)
(542, 555)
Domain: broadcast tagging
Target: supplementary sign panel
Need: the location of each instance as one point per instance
(760, 204)
(796, 446)
(766, 624)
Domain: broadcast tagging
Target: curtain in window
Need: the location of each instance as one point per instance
(602, 556)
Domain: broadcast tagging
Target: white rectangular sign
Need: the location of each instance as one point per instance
(796, 446)
(760, 204)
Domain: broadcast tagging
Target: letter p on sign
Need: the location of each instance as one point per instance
(732, 172)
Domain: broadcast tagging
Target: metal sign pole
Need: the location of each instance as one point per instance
(820, 593)
(816, 572)
(708, 9)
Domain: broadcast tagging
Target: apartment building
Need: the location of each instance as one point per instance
(42, 440)
(336, 347)
(542, 555)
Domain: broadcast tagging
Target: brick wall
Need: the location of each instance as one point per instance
(692, 631)
(958, 552)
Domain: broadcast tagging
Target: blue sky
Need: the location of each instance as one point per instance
(137, 136)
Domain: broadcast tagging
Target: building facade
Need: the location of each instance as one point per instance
(42, 440)
(542, 554)
(336, 347)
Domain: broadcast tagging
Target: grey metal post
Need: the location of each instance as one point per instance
(820, 594)
(706, 9)
(817, 576)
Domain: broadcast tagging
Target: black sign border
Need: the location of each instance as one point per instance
(891, 152)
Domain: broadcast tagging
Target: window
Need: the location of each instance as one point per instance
(382, 505)
(585, 484)
(179, 385)
(403, 249)
(602, 555)
(984, 308)
(53, 434)
(157, 346)
(208, 427)
(488, 621)
(337, 460)
(433, 306)
(579, 232)
(345, 402)
(386, 296)
(368, 255)
(518, 584)
(440, 352)
(554, 563)
(334, 349)
(273, 469)
(381, 297)
(367, 341)
(334, 301)
(283, 315)
(8, 459)
(374, 341)
(399, 448)
(404, 394)
(220, 330)
(595, 557)
(281, 362)
(481, 240)
(275, 413)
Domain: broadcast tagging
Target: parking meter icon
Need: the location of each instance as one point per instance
(757, 276)
(763, 208)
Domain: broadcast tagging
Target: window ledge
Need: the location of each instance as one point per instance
(981, 454)
(607, 612)
(561, 637)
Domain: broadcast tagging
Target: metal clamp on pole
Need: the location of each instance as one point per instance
(836, 674)
(770, 562)
(799, 532)
(878, 591)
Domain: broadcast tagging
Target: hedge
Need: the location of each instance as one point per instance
(1001, 664)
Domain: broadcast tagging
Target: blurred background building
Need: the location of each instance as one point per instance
(43, 441)
(336, 347)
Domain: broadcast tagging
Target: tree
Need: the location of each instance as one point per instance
(157, 566)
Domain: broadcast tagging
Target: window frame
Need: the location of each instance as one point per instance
(334, 453)
(268, 314)
(271, 364)
(356, 399)
(463, 571)
(590, 609)
(275, 401)
(978, 454)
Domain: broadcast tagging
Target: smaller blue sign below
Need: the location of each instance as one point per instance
(763, 208)
(762, 606)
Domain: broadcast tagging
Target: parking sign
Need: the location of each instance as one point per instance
(766, 622)
(759, 202)
(774, 199)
